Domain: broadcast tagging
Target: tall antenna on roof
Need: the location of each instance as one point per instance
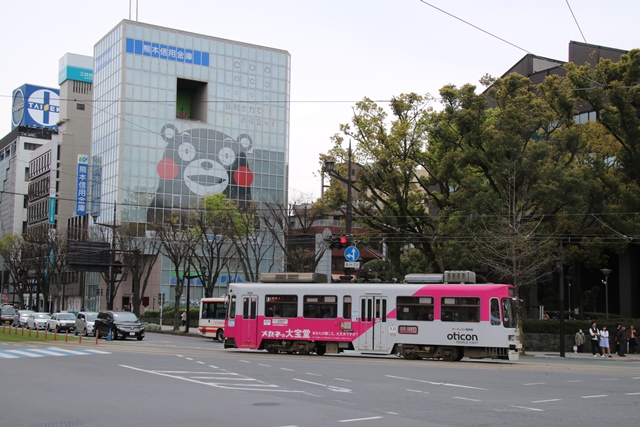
(130, 10)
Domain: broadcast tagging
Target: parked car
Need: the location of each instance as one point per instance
(84, 322)
(38, 320)
(21, 316)
(61, 322)
(121, 324)
(6, 314)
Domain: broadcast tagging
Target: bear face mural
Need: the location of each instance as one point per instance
(198, 163)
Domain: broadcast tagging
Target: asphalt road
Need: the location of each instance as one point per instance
(174, 380)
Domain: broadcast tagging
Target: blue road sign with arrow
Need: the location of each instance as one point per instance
(351, 253)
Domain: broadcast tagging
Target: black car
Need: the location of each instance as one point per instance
(121, 324)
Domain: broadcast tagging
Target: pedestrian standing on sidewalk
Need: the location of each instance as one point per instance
(614, 338)
(183, 316)
(580, 340)
(632, 337)
(604, 342)
(594, 332)
(622, 341)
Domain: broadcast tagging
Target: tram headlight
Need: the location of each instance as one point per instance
(512, 337)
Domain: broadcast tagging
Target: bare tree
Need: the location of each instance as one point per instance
(177, 242)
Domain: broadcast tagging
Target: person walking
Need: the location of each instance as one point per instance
(594, 332)
(622, 341)
(183, 316)
(632, 337)
(604, 342)
(580, 340)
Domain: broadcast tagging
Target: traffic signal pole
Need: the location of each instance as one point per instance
(348, 215)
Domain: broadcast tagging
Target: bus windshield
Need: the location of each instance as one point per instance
(213, 309)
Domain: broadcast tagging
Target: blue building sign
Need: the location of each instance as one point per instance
(171, 53)
(82, 184)
(35, 106)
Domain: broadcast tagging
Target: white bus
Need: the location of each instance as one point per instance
(212, 314)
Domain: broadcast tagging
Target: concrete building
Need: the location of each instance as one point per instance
(180, 116)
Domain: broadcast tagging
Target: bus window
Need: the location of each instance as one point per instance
(346, 307)
(213, 309)
(495, 311)
(460, 309)
(281, 306)
(414, 308)
(320, 306)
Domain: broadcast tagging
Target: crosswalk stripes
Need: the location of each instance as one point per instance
(45, 352)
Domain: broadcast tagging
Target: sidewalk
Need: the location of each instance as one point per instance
(571, 355)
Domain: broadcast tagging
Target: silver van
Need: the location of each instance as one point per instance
(84, 322)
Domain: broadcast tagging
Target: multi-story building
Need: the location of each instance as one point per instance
(179, 116)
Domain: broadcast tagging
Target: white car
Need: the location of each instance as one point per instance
(38, 320)
(84, 322)
(21, 316)
(61, 322)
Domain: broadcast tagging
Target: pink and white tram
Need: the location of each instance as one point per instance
(412, 320)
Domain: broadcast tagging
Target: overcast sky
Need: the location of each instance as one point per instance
(341, 50)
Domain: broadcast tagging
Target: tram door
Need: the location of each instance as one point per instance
(373, 327)
(249, 321)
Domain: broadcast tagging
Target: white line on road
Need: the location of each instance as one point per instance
(287, 369)
(263, 365)
(414, 391)
(595, 395)
(632, 394)
(575, 381)
(608, 379)
(214, 367)
(435, 383)
(223, 386)
(530, 409)
(533, 383)
(359, 419)
(342, 379)
(330, 387)
(312, 374)
(466, 398)
(545, 401)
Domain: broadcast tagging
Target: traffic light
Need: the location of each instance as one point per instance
(338, 242)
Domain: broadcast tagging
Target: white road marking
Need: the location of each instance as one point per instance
(263, 365)
(575, 381)
(632, 394)
(434, 383)
(202, 363)
(545, 401)
(392, 413)
(608, 379)
(312, 374)
(534, 384)
(214, 367)
(222, 386)
(359, 419)
(596, 395)
(466, 398)
(329, 387)
(414, 391)
(287, 369)
(24, 353)
(342, 379)
(530, 409)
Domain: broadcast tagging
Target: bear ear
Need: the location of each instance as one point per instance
(169, 133)
(246, 142)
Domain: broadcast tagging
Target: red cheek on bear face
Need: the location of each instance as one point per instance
(243, 176)
(167, 169)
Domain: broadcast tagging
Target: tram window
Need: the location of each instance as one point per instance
(346, 307)
(495, 311)
(509, 313)
(460, 309)
(232, 307)
(249, 307)
(414, 308)
(320, 306)
(281, 306)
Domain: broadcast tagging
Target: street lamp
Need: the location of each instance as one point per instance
(560, 263)
(329, 167)
(605, 281)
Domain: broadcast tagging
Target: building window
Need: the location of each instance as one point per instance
(80, 106)
(191, 100)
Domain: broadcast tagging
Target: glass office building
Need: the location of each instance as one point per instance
(178, 116)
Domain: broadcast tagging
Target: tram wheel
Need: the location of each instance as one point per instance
(321, 350)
